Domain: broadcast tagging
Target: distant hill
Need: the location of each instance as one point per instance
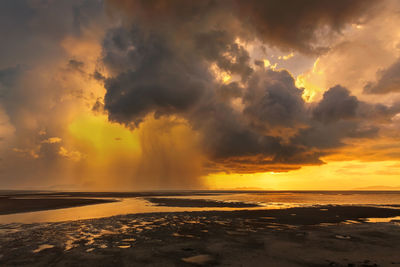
(378, 187)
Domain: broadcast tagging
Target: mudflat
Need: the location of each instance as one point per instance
(10, 205)
(313, 236)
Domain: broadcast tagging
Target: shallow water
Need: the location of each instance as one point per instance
(267, 200)
(124, 206)
(290, 199)
(379, 220)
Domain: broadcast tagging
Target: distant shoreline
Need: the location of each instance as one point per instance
(148, 193)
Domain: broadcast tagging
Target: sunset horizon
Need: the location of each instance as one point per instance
(199, 133)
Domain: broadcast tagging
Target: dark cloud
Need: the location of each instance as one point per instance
(161, 62)
(328, 137)
(157, 77)
(227, 134)
(230, 91)
(161, 77)
(288, 24)
(340, 115)
(273, 130)
(228, 137)
(388, 80)
(336, 104)
(378, 113)
(292, 24)
(272, 100)
(220, 47)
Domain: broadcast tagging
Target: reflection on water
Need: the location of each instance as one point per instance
(42, 247)
(124, 206)
(379, 220)
(290, 199)
(92, 238)
(267, 200)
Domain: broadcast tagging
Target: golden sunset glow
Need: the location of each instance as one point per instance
(225, 101)
(311, 82)
(104, 136)
(340, 175)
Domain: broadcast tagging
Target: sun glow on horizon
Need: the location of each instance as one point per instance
(335, 175)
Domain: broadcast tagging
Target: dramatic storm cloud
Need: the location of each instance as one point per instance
(164, 59)
(162, 93)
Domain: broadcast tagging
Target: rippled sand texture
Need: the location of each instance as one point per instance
(243, 238)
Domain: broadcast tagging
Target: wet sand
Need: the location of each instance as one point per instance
(316, 236)
(10, 205)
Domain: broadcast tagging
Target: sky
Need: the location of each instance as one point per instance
(216, 94)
